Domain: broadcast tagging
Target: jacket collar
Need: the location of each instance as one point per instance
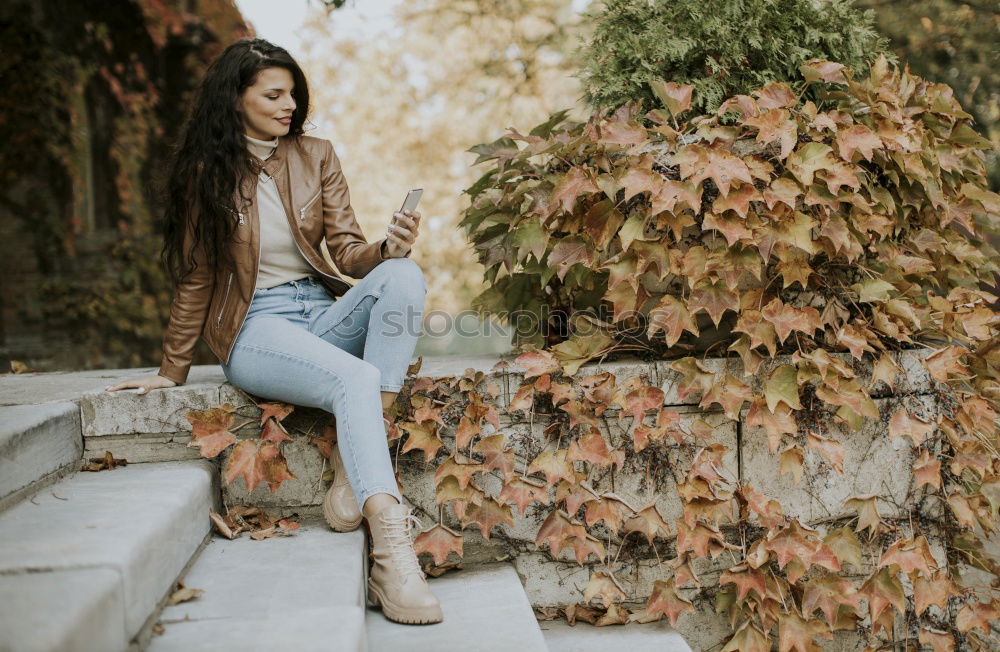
(273, 164)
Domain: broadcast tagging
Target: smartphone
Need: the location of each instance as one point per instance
(411, 201)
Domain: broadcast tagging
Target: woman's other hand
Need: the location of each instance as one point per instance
(402, 234)
(144, 384)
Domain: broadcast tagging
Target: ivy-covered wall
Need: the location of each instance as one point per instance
(94, 93)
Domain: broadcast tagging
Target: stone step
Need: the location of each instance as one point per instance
(634, 637)
(36, 441)
(485, 609)
(84, 562)
(303, 592)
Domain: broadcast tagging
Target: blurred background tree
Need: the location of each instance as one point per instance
(94, 95)
(404, 107)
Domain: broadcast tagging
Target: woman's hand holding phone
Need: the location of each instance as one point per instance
(402, 231)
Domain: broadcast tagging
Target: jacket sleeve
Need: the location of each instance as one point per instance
(349, 249)
(188, 312)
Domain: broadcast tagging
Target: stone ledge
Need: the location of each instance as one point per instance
(35, 441)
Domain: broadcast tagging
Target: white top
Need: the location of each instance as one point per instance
(280, 258)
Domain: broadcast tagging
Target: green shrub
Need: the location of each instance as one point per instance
(722, 48)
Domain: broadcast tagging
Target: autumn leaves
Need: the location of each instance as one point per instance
(820, 242)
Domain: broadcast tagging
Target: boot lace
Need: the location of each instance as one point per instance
(399, 539)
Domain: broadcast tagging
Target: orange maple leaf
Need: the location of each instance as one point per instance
(664, 601)
(903, 424)
(554, 464)
(608, 508)
(487, 515)
(523, 399)
(731, 393)
(243, 461)
(274, 432)
(449, 490)
(797, 541)
(786, 318)
(438, 541)
(867, 510)
(932, 590)
(698, 163)
(537, 363)
(748, 638)
(703, 539)
(945, 363)
(857, 138)
(831, 449)
(524, 491)
(574, 494)
(715, 298)
(883, 589)
(977, 615)
(776, 424)
(422, 436)
(459, 467)
(579, 413)
(797, 633)
(667, 422)
(745, 579)
(210, 430)
(829, 592)
(277, 410)
(556, 529)
(910, 555)
(671, 316)
(495, 455)
(570, 186)
(592, 448)
(647, 521)
(604, 585)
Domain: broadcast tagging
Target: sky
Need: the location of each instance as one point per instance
(279, 22)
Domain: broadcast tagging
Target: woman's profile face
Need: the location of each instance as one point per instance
(268, 104)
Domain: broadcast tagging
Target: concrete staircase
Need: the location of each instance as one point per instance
(89, 559)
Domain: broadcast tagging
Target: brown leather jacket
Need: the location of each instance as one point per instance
(213, 305)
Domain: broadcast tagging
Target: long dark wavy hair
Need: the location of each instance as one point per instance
(212, 161)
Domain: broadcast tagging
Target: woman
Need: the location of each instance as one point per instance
(250, 200)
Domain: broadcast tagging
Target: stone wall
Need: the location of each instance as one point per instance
(154, 428)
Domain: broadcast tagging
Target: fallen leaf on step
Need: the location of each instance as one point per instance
(615, 615)
(546, 613)
(105, 463)
(437, 571)
(221, 526)
(587, 614)
(183, 594)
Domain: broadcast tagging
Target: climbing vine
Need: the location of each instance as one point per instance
(800, 275)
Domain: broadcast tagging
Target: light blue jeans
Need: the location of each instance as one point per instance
(301, 346)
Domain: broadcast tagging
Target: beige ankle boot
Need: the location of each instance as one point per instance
(396, 582)
(340, 508)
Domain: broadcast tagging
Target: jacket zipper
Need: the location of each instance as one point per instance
(241, 217)
(225, 299)
(256, 273)
(302, 211)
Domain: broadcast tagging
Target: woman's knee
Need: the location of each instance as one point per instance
(360, 377)
(404, 272)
